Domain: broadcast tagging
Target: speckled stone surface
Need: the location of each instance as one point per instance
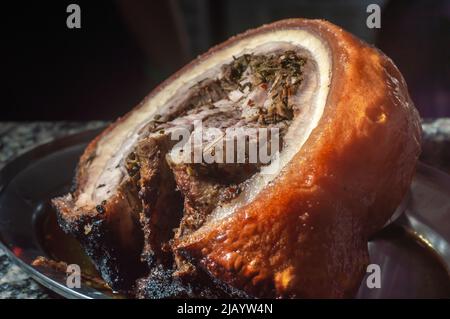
(17, 138)
(436, 143)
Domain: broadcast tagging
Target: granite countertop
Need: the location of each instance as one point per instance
(19, 137)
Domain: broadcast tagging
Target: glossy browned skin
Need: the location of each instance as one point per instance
(306, 234)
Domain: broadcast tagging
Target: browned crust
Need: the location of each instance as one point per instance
(349, 176)
(306, 234)
(74, 220)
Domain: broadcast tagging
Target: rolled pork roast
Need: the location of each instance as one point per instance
(157, 223)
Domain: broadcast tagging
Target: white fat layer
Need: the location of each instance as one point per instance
(106, 168)
(310, 108)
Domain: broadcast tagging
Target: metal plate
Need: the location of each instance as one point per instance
(413, 251)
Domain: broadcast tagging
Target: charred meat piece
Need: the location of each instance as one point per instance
(258, 170)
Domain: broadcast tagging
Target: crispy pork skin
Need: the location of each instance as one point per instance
(291, 226)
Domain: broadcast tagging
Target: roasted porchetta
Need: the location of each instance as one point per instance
(155, 222)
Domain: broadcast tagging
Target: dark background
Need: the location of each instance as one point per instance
(126, 47)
